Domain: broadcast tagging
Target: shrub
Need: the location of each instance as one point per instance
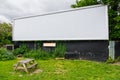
(37, 54)
(21, 50)
(6, 55)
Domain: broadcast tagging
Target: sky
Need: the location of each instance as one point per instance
(10, 9)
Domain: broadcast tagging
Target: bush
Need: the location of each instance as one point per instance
(21, 50)
(37, 54)
(6, 55)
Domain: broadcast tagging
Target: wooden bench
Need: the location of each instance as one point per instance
(32, 66)
(25, 65)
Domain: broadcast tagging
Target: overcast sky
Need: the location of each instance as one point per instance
(10, 9)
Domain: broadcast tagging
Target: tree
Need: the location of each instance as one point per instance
(114, 18)
(5, 33)
(113, 12)
(81, 3)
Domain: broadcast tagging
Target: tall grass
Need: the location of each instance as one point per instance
(59, 51)
(37, 54)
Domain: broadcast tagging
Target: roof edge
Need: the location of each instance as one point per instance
(61, 11)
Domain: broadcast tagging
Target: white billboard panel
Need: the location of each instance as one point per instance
(87, 23)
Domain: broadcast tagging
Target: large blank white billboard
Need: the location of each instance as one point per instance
(87, 23)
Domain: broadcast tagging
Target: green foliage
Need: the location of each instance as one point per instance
(113, 12)
(114, 19)
(59, 51)
(110, 60)
(118, 59)
(21, 50)
(80, 3)
(6, 55)
(41, 54)
(5, 33)
(37, 54)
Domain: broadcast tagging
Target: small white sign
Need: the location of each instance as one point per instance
(49, 44)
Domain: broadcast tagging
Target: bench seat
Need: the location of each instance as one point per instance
(31, 66)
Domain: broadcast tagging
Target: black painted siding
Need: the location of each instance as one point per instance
(93, 50)
(117, 49)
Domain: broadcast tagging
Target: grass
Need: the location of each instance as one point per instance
(62, 70)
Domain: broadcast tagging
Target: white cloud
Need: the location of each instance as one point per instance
(17, 8)
(4, 19)
(13, 8)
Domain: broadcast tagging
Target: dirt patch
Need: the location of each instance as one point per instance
(59, 58)
(117, 63)
(36, 71)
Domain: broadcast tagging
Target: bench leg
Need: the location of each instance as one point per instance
(16, 65)
(25, 68)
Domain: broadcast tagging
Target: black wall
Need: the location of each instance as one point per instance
(29, 44)
(93, 50)
(117, 49)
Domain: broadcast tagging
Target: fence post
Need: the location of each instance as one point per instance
(112, 49)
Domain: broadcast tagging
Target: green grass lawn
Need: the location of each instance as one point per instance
(62, 70)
